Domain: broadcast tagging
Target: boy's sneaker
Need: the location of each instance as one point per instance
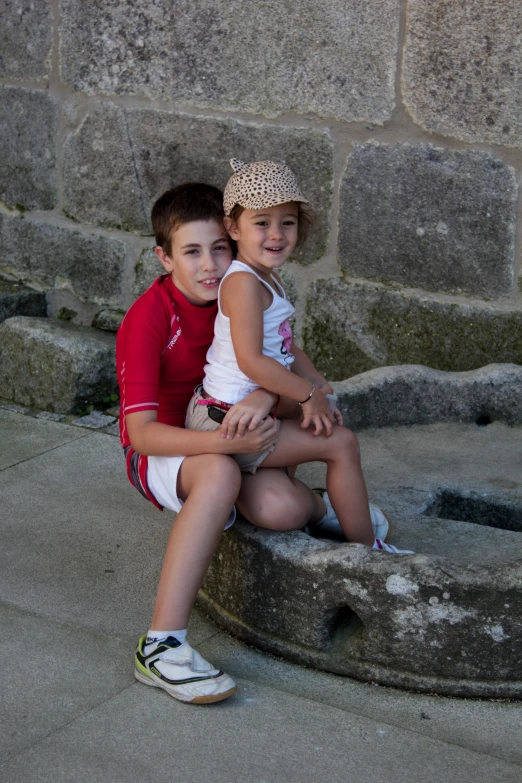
(182, 672)
(330, 524)
(390, 548)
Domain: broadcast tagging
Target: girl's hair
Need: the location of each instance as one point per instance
(305, 220)
(184, 204)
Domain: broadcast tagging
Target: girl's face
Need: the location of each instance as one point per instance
(265, 238)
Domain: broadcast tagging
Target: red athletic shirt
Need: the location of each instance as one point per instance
(160, 353)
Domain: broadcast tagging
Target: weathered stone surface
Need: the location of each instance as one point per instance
(48, 416)
(120, 161)
(402, 621)
(351, 328)
(315, 58)
(463, 69)
(148, 269)
(54, 365)
(108, 320)
(95, 420)
(412, 394)
(447, 619)
(429, 218)
(91, 267)
(28, 126)
(101, 183)
(26, 39)
(17, 299)
(16, 409)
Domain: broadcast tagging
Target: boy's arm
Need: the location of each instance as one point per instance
(150, 437)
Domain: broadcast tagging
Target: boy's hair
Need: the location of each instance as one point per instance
(305, 220)
(184, 204)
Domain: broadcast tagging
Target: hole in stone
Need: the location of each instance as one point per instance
(342, 625)
(483, 420)
(475, 509)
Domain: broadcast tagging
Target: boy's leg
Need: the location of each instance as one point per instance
(208, 484)
(272, 499)
(345, 480)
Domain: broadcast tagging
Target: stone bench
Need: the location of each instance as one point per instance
(54, 365)
(443, 457)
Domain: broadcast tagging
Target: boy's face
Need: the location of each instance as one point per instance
(200, 254)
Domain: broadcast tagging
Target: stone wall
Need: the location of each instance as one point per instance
(401, 118)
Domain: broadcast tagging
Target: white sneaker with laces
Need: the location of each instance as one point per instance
(330, 524)
(390, 548)
(182, 672)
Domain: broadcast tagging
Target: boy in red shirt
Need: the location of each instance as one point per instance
(160, 352)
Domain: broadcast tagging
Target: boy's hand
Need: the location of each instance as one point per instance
(247, 414)
(259, 439)
(316, 412)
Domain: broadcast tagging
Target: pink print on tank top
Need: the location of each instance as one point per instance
(285, 330)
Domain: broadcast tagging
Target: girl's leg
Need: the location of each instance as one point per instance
(209, 485)
(273, 500)
(344, 478)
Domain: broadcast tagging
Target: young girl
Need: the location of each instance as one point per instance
(253, 348)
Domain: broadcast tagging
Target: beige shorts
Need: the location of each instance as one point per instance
(197, 418)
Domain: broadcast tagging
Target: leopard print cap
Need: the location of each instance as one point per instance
(259, 185)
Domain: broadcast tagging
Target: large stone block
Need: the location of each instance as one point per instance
(335, 58)
(147, 270)
(351, 328)
(120, 161)
(28, 126)
(16, 299)
(429, 218)
(91, 267)
(462, 71)
(101, 183)
(27, 36)
(409, 395)
(54, 365)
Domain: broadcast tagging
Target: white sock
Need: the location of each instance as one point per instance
(330, 515)
(156, 637)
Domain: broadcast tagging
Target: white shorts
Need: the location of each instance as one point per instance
(162, 479)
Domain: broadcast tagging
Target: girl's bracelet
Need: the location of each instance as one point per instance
(309, 396)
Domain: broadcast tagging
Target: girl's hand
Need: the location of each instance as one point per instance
(247, 414)
(316, 412)
(338, 416)
(322, 383)
(260, 439)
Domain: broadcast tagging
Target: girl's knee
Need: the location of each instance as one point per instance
(347, 440)
(284, 510)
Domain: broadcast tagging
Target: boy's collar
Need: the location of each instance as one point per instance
(182, 300)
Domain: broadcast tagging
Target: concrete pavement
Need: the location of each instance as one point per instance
(80, 556)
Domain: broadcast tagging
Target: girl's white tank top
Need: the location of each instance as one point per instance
(223, 378)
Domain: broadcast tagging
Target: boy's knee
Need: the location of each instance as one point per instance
(220, 471)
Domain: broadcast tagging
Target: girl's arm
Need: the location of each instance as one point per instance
(242, 302)
(303, 366)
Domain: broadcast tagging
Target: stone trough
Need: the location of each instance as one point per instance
(442, 454)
